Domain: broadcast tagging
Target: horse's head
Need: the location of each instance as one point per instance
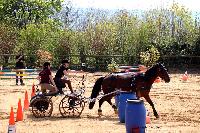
(162, 72)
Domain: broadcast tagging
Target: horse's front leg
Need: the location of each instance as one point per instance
(148, 99)
(113, 105)
(100, 103)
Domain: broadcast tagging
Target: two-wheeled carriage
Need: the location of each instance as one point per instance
(71, 105)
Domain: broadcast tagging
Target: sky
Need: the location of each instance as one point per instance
(192, 5)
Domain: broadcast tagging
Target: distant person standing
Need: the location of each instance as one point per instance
(19, 65)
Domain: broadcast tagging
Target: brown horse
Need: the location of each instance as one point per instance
(139, 82)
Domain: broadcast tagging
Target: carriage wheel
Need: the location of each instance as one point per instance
(71, 106)
(42, 107)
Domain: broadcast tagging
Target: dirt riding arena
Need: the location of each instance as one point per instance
(177, 102)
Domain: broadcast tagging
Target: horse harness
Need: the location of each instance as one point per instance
(134, 82)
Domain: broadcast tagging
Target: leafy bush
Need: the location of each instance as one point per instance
(43, 56)
(113, 67)
(150, 57)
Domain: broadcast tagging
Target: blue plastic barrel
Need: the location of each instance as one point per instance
(135, 116)
(122, 104)
(117, 100)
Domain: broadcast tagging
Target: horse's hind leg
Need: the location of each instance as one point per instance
(152, 105)
(113, 106)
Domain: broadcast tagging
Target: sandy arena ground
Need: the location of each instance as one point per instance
(177, 102)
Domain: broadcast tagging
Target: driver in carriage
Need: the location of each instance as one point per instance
(46, 80)
(61, 77)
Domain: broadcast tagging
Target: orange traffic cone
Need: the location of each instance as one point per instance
(185, 76)
(148, 120)
(19, 112)
(142, 68)
(33, 90)
(11, 126)
(11, 120)
(26, 102)
(158, 80)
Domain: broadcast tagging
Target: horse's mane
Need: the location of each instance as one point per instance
(151, 71)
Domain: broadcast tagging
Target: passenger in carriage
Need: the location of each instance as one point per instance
(46, 80)
(61, 77)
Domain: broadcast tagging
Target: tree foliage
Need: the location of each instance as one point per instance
(8, 40)
(22, 12)
(61, 33)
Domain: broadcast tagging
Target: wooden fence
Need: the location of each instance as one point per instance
(100, 62)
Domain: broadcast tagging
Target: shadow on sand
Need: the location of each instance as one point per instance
(58, 117)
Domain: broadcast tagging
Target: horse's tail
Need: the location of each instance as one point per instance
(95, 91)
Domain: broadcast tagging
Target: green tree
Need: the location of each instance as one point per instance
(37, 37)
(8, 40)
(22, 12)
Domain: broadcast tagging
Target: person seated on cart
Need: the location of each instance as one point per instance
(61, 77)
(46, 80)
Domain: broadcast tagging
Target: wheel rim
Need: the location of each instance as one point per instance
(42, 107)
(71, 107)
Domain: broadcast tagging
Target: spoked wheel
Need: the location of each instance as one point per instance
(71, 106)
(42, 107)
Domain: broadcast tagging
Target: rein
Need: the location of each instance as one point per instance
(102, 95)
